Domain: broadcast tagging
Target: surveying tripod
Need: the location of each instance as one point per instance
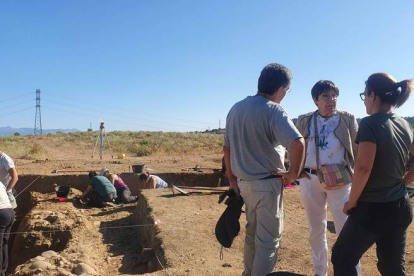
(100, 138)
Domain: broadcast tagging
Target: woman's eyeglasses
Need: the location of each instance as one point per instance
(327, 97)
(362, 95)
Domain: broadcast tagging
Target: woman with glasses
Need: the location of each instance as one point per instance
(332, 143)
(379, 208)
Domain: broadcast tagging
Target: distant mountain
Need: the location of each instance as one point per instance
(8, 131)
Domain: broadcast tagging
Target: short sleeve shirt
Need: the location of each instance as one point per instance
(4, 199)
(257, 130)
(6, 163)
(393, 138)
(102, 185)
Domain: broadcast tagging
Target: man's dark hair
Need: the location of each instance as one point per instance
(272, 77)
(91, 175)
(323, 86)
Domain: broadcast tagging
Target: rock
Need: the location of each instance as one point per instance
(49, 253)
(40, 264)
(85, 269)
(40, 258)
(146, 255)
(63, 272)
(153, 265)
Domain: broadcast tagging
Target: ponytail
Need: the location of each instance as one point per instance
(406, 88)
(388, 89)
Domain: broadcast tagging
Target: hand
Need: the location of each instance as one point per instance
(304, 174)
(233, 185)
(287, 177)
(348, 206)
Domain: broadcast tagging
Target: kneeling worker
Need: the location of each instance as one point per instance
(122, 190)
(99, 192)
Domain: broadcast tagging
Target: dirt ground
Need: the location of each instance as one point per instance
(184, 230)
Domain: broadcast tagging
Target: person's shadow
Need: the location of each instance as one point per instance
(284, 273)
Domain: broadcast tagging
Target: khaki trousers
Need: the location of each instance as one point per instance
(264, 214)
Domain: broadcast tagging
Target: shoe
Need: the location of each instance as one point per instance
(108, 204)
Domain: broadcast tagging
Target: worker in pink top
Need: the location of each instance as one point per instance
(122, 190)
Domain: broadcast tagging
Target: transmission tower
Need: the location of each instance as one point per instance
(38, 116)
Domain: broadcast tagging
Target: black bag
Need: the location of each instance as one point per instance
(228, 225)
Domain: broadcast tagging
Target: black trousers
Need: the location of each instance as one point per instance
(95, 199)
(124, 195)
(384, 224)
(6, 222)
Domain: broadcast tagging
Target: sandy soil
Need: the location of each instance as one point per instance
(187, 245)
(185, 231)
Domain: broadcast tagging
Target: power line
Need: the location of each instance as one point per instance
(11, 105)
(104, 112)
(5, 114)
(130, 111)
(15, 97)
(110, 120)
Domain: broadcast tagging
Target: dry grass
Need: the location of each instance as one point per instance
(131, 143)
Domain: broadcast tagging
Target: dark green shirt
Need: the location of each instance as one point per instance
(393, 138)
(102, 185)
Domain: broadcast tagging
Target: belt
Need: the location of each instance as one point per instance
(311, 171)
(267, 177)
(270, 177)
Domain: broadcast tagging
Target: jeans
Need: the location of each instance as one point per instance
(6, 222)
(384, 224)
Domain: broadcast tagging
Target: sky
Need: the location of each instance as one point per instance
(180, 65)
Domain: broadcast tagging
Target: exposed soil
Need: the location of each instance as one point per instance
(182, 242)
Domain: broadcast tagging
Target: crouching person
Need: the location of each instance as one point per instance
(148, 181)
(99, 192)
(122, 190)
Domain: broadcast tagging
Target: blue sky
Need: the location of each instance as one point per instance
(181, 65)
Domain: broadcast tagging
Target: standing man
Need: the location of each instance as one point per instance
(8, 176)
(257, 131)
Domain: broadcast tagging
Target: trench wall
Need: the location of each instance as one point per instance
(45, 183)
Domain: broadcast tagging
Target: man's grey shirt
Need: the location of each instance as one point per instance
(256, 128)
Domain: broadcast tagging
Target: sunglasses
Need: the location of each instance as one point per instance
(362, 95)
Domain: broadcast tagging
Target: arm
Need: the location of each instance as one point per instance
(409, 177)
(297, 156)
(353, 132)
(86, 192)
(14, 178)
(232, 178)
(112, 178)
(152, 183)
(363, 168)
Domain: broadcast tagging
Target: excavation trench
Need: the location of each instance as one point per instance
(116, 240)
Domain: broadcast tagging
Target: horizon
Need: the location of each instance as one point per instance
(180, 66)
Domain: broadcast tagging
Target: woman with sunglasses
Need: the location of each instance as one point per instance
(379, 210)
(331, 142)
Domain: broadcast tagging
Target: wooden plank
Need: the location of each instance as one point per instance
(180, 191)
(204, 188)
